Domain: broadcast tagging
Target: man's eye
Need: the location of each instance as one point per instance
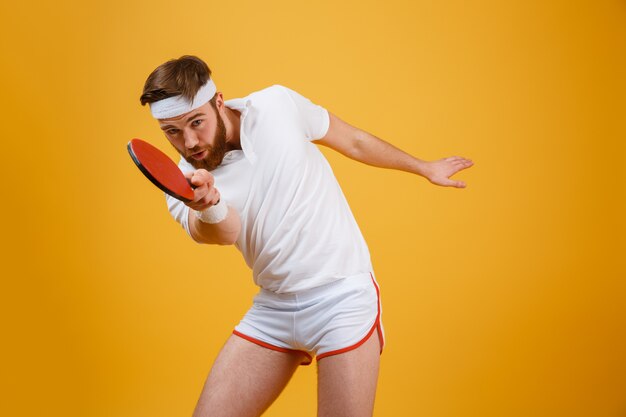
(196, 122)
(172, 131)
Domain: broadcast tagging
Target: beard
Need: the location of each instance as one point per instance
(215, 152)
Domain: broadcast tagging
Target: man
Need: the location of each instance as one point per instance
(263, 185)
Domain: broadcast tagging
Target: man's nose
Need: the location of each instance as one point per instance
(190, 139)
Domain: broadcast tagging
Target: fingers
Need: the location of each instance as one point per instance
(452, 183)
(453, 158)
(458, 159)
(462, 163)
(205, 193)
(201, 177)
(458, 163)
(204, 198)
(443, 169)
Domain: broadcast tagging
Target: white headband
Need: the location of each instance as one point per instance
(177, 105)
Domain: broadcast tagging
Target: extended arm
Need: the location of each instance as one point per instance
(367, 148)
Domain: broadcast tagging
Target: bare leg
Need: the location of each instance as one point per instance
(245, 379)
(347, 382)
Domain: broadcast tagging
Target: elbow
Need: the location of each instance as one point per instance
(227, 240)
(224, 238)
(221, 241)
(357, 146)
(230, 237)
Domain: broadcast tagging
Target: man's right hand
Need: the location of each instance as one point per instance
(205, 194)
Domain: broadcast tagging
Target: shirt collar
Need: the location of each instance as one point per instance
(244, 106)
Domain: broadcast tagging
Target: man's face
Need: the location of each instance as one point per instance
(199, 136)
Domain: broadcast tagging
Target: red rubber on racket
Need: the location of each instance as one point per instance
(160, 169)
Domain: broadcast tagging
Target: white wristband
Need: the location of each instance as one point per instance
(213, 214)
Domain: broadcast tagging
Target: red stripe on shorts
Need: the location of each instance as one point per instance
(272, 347)
(376, 326)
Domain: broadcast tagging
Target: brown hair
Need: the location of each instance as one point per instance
(183, 76)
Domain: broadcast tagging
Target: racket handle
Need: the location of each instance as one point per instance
(193, 186)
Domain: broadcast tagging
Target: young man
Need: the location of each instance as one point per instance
(263, 185)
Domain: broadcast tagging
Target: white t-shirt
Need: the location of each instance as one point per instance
(297, 230)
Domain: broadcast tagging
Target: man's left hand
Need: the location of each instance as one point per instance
(439, 172)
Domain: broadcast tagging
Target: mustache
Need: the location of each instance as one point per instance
(197, 149)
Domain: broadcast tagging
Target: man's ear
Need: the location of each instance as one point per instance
(219, 100)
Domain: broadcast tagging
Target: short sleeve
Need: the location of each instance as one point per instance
(178, 209)
(315, 118)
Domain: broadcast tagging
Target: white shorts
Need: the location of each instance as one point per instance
(323, 321)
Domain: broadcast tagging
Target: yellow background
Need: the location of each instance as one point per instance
(507, 298)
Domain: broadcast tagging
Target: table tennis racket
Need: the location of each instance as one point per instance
(160, 169)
